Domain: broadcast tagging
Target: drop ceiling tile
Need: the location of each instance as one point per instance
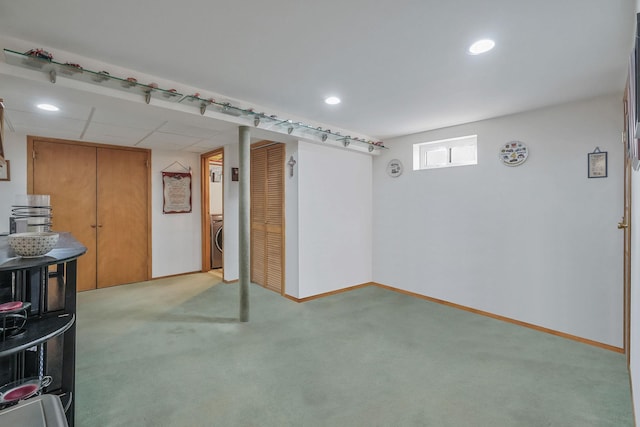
(188, 129)
(203, 146)
(123, 117)
(25, 121)
(113, 134)
(167, 141)
(20, 96)
(166, 146)
(198, 150)
(207, 143)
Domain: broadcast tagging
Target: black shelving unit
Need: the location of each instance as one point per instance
(46, 344)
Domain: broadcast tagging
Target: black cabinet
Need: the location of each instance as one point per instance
(45, 345)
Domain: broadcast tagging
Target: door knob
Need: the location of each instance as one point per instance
(622, 225)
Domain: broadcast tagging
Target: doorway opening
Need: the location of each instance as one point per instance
(212, 211)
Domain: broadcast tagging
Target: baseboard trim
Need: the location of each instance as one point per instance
(465, 308)
(327, 294)
(505, 319)
(230, 281)
(175, 275)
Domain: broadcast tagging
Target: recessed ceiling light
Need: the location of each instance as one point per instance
(47, 107)
(332, 100)
(481, 46)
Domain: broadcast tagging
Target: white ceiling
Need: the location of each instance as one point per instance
(399, 66)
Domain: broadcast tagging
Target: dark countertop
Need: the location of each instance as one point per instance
(65, 250)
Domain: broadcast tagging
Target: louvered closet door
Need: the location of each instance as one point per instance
(267, 217)
(258, 215)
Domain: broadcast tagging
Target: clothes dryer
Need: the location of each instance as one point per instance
(216, 241)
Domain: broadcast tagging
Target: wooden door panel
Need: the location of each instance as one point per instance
(258, 234)
(258, 258)
(274, 262)
(258, 188)
(275, 185)
(267, 216)
(67, 173)
(275, 218)
(122, 216)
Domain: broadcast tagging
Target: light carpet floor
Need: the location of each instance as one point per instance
(171, 353)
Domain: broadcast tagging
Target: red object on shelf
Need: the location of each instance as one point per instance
(21, 392)
(12, 305)
(71, 64)
(40, 53)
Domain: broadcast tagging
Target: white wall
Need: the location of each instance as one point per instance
(537, 243)
(334, 218)
(292, 249)
(15, 149)
(176, 238)
(231, 269)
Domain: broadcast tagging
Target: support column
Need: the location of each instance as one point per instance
(244, 209)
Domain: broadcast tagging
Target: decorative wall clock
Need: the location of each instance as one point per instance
(513, 153)
(394, 168)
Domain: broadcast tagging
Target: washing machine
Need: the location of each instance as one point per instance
(216, 241)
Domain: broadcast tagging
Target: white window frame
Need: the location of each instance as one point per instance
(421, 152)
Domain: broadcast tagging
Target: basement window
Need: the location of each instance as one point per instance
(446, 153)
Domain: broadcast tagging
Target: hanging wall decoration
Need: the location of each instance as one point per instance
(176, 190)
(4, 171)
(394, 168)
(597, 164)
(514, 153)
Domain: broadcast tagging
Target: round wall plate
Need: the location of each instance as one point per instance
(514, 153)
(394, 168)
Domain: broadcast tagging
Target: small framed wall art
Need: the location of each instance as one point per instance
(394, 168)
(597, 164)
(4, 171)
(514, 153)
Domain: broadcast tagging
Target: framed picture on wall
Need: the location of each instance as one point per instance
(176, 189)
(597, 163)
(5, 172)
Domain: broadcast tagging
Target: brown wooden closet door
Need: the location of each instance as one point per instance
(258, 215)
(275, 218)
(267, 216)
(67, 173)
(122, 215)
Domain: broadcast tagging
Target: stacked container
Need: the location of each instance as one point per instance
(31, 212)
